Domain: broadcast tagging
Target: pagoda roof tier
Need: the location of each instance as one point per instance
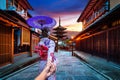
(59, 28)
(60, 32)
(60, 35)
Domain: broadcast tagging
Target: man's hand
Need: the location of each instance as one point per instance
(48, 70)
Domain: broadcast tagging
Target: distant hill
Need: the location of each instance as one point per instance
(72, 33)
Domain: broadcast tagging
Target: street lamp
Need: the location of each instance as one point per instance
(56, 48)
(72, 45)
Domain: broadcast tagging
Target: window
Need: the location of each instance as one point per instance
(10, 5)
(106, 5)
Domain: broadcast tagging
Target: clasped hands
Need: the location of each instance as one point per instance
(49, 69)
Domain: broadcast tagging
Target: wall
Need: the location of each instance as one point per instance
(3, 4)
(113, 3)
(105, 44)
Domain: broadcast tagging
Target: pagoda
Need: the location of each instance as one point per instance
(59, 31)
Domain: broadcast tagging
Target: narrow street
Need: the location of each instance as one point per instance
(68, 68)
(84, 34)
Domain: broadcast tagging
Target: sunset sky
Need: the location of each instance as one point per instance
(68, 10)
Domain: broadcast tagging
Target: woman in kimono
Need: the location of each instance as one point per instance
(46, 48)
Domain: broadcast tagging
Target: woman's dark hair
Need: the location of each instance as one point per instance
(45, 32)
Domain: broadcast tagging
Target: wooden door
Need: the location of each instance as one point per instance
(5, 45)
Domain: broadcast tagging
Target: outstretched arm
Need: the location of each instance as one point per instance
(48, 70)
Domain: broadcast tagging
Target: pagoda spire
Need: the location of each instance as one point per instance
(59, 21)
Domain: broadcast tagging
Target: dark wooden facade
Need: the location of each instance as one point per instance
(6, 38)
(12, 24)
(102, 37)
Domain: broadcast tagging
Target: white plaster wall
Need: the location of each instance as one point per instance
(114, 3)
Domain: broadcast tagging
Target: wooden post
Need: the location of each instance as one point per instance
(72, 49)
(12, 54)
(30, 44)
(57, 46)
(107, 45)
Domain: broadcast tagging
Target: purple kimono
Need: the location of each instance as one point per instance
(50, 55)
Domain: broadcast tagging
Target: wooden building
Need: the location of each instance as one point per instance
(101, 29)
(15, 35)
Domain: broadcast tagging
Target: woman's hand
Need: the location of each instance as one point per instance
(48, 70)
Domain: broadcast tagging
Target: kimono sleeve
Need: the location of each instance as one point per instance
(51, 49)
(41, 42)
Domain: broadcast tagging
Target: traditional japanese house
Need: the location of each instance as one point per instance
(101, 29)
(15, 35)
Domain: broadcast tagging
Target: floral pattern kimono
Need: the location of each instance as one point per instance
(47, 47)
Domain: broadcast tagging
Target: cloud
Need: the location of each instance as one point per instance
(57, 6)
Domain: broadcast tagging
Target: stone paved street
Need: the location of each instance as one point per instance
(71, 68)
(26, 74)
(68, 68)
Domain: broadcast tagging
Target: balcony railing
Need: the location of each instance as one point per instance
(23, 13)
(94, 16)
